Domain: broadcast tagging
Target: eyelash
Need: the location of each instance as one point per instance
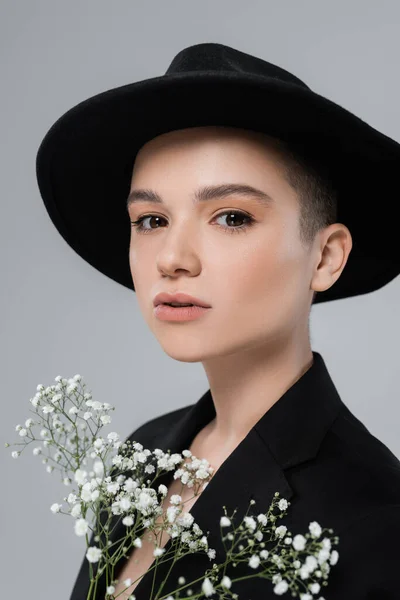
(139, 228)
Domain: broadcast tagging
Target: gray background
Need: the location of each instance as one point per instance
(60, 316)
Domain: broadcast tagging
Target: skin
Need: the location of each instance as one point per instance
(254, 341)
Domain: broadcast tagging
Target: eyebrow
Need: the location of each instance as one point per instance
(203, 194)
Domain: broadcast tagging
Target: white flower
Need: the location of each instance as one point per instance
(207, 587)
(81, 527)
(37, 450)
(28, 423)
(137, 543)
(311, 563)
(226, 582)
(281, 530)
(315, 529)
(49, 468)
(334, 557)
(281, 587)
(263, 519)
(323, 555)
(306, 597)
(87, 415)
(250, 523)
(125, 503)
(254, 561)
(158, 551)
(283, 504)
(47, 409)
(113, 436)
(73, 410)
(98, 443)
(314, 588)
(264, 554)
(93, 554)
(127, 521)
(55, 508)
(98, 468)
(127, 581)
(112, 487)
(105, 419)
(110, 589)
(299, 542)
(44, 433)
(76, 510)
(80, 476)
(18, 427)
(225, 522)
(15, 453)
(22, 432)
(96, 405)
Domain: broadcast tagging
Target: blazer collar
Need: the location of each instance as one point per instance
(289, 433)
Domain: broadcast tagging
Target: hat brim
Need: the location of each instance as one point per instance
(84, 163)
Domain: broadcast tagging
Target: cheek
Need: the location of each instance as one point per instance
(269, 270)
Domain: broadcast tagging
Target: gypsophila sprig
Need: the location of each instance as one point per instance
(114, 482)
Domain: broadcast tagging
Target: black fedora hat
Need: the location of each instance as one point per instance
(84, 163)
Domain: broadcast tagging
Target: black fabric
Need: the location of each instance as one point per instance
(84, 163)
(313, 450)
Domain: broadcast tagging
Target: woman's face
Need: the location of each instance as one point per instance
(256, 278)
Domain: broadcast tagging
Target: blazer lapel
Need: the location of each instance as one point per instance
(289, 433)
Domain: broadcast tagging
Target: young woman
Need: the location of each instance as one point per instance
(226, 143)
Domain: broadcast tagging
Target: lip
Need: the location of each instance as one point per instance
(179, 297)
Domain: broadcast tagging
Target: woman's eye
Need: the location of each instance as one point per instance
(233, 216)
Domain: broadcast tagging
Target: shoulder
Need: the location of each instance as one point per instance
(369, 556)
(357, 469)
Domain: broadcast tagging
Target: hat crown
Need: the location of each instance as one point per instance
(218, 57)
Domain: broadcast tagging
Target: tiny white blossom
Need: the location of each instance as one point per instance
(29, 423)
(44, 433)
(110, 589)
(87, 415)
(314, 588)
(37, 450)
(113, 436)
(105, 419)
(334, 557)
(254, 561)
(15, 453)
(225, 522)
(76, 510)
(315, 529)
(127, 581)
(93, 554)
(49, 468)
(299, 542)
(81, 527)
(282, 504)
(80, 476)
(22, 432)
(281, 587)
(158, 551)
(73, 410)
(250, 523)
(226, 582)
(55, 508)
(281, 530)
(127, 521)
(47, 409)
(207, 587)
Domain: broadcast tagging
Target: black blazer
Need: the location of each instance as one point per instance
(312, 449)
